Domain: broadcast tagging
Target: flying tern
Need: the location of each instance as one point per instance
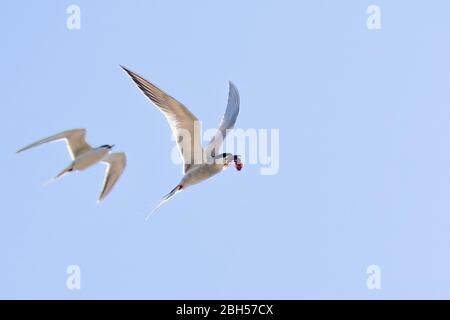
(84, 156)
(185, 128)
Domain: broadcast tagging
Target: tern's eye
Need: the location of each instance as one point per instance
(224, 155)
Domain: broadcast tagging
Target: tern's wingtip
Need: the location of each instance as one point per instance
(124, 68)
(231, 85)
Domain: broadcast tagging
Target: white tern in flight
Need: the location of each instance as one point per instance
(84, 156)
(198, 164)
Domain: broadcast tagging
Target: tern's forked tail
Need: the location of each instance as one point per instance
(166, 198)
(61, 174)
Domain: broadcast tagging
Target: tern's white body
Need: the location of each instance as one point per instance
(183, 125)
(84, 156)
(89, 158)
(200, 172)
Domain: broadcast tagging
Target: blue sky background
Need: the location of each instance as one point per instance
(364, 120)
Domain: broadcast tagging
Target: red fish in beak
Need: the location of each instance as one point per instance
(238, 163)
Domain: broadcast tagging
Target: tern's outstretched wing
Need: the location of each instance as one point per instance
(75, 140)
(228, 121)
(184, 124)
(116, 163)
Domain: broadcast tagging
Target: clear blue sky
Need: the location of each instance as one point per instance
(364, 120)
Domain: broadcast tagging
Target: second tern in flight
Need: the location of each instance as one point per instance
(185, 128)
(83, 156)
